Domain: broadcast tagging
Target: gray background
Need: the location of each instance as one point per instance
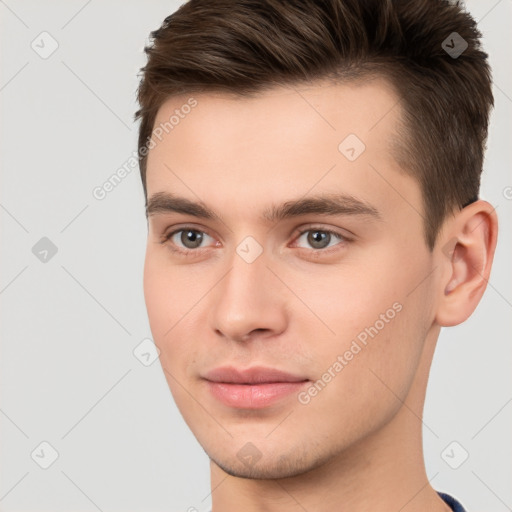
(70, 324)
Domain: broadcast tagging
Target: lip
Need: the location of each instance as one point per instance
(252, 388)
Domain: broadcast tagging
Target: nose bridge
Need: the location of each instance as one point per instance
(245, 299)
(245, 283)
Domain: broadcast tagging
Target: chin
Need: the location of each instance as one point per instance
(273, 468)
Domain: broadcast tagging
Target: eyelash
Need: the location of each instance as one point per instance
(195, 252)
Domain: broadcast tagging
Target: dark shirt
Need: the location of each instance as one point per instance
(451, 502)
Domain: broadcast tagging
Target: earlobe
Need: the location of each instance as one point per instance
(466, 259)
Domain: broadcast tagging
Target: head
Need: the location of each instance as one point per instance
(323, 162)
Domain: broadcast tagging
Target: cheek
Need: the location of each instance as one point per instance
(156, 295)
(166, 298)
(377, 323)
(364, 374)
(171, 293)
(350, 298)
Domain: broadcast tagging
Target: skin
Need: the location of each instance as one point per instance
(357, 444)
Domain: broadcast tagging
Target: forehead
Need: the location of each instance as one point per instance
(282, 141)
(366, 107)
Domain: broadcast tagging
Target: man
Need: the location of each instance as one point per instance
(312, 226)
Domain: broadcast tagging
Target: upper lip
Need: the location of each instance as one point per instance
(254, 375)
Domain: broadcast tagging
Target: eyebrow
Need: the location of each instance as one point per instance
(324, 204)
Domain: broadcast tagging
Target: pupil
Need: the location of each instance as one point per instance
(317, 239)
(193, 237)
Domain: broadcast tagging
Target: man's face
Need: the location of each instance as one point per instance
(337, 300)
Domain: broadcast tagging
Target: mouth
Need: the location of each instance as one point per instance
(252, 388)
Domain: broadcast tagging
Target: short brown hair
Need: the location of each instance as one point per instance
(243, 47)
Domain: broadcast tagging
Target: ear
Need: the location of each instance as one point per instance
(466, 250)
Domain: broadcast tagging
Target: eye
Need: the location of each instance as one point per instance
(321, 238)
(187, 239)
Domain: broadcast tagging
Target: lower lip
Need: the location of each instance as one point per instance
(253, 396)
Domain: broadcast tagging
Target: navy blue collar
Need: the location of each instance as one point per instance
(451, 502)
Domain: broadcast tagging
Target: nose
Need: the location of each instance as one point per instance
(249, 302)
